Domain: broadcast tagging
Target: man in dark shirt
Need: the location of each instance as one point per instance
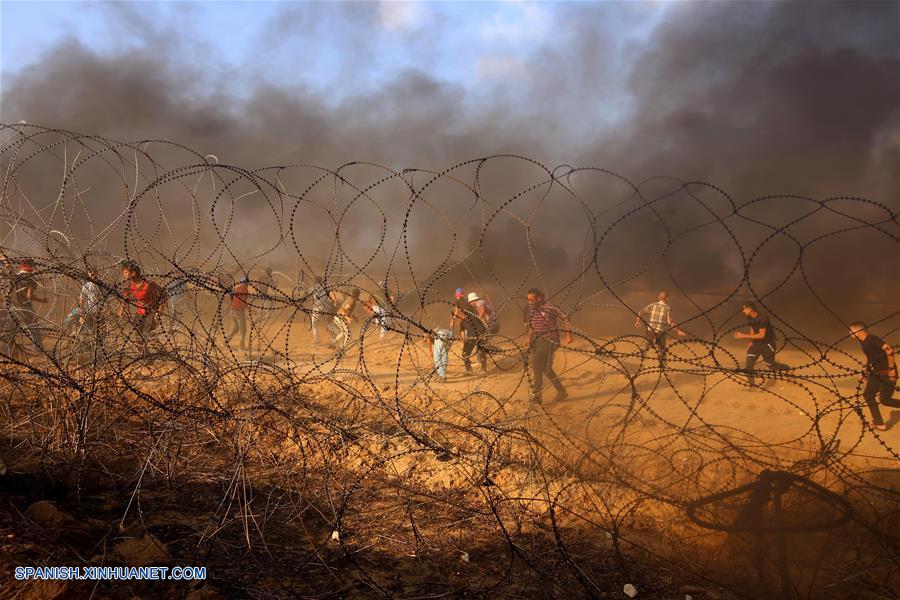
(880, 372)
(543, 321)
(762, 341)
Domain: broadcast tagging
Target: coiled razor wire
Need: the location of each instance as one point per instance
(329, 456)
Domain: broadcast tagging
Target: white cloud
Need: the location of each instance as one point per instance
(517, 22)
(400, 16)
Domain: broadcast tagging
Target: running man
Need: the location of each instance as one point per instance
(762, 341)
(880, 372)
(90, 300)
(543, 320)
(239, 312)
(323, 307)
(657, 320)
(464, 320)
(458, 295)
(343, 319)
(485, 311)
(24, 295)
(374, 307)
(145, 295)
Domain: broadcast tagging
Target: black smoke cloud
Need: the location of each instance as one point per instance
(758, 98)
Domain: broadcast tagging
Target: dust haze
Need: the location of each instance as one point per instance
(788, 102)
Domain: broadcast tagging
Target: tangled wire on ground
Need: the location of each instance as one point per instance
(291, 454)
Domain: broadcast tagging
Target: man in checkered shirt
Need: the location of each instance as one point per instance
(657, 319)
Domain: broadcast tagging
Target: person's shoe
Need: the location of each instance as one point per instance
(535, 398)
(880, 427)
(561, 395)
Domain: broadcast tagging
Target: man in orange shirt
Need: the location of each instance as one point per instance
(144, 295)
(239, 312)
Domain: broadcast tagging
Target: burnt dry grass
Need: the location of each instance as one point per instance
(327, 490)
(443, 546)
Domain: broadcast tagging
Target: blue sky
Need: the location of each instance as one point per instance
(334, 49)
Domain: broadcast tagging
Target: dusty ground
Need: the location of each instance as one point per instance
(429, 485)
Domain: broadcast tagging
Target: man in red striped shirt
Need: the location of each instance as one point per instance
(543, 321)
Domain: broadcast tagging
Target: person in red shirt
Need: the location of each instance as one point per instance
(239, 312)
(142, 296)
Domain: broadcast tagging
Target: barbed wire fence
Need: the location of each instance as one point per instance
(357, 466)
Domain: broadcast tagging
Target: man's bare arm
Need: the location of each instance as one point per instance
(760, 335)
(482, 312)
(639, 317)
(891, 361)
(567, 325)
(674, 326)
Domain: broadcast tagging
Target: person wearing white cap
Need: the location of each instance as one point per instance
(484, 310)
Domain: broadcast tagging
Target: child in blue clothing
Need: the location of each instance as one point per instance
(440, 341)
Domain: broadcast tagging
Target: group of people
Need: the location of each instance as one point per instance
(335, 311)
(656, 319)
(142, 302)
(879, 374)
(473, 320)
